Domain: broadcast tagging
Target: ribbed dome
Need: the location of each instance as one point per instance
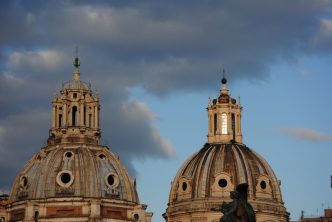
(74, 171)
(206, 179)
(76, 84)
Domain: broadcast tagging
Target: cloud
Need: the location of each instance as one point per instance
(322, 39)
(130, 133)
(306, 134)
(41, 60)
(165, 47)
(21, 135)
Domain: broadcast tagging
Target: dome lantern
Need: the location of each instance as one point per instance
(75, 113)
(224, 118)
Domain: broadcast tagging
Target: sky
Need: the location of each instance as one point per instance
(155, 63)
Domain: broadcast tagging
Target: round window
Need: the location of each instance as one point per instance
(68, 155)
(184, 186)
(110, 180)
(263, 185)
(222, 183)
(65, 178)
(24, 181)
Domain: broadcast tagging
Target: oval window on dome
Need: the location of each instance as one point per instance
(263, 184)
(184, 186)
(102, 156)
(24, 181)
(69, 154)
(222, 183)
(65, 178)
(112, 180)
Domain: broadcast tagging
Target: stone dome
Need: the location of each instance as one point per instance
(74, 178)
(74, 171)
(206, 179)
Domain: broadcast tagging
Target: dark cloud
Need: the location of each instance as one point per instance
(163, 46)
(21, 135)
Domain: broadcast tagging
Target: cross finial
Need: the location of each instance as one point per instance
(76, 51)
(76, 65)
(223, 80)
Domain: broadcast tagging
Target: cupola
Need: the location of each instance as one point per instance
(75, 112)
(224, 114)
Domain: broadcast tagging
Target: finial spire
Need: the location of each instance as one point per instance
(76, 66)
(223, 80)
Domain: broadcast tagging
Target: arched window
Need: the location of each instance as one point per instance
(60, 120)
(84, 116)
(74, 116)
(233, 125)
(2, 219)
(224, 123)
(36, 216)
(90, 120)
(215, 124)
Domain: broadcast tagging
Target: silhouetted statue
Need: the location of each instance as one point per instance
(239, 210)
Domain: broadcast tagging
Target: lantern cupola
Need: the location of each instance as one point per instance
(224, 117)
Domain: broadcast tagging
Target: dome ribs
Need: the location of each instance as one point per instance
(245, 155)
(212, 171)
(83, 176)
(86, 174)
(208, 172)
(38, 176)
(41, 192)
(230, 163)
(276, 193)
(198, 178)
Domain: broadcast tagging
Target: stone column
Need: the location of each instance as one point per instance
(96, 116)
(81, 112)
(64, 115)
(53, 117)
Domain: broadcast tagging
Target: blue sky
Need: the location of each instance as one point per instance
(288, 100)
(155, 64)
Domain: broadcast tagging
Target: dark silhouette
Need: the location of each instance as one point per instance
(239, 210)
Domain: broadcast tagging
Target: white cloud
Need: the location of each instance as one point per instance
(323, 36)
(140, 115)
(12, 80)
(44, 60)
(306, 134)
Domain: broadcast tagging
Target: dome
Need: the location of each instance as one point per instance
(74, 178)
(74, 171)
(76, 84)
(218, 168)
(206, 179)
